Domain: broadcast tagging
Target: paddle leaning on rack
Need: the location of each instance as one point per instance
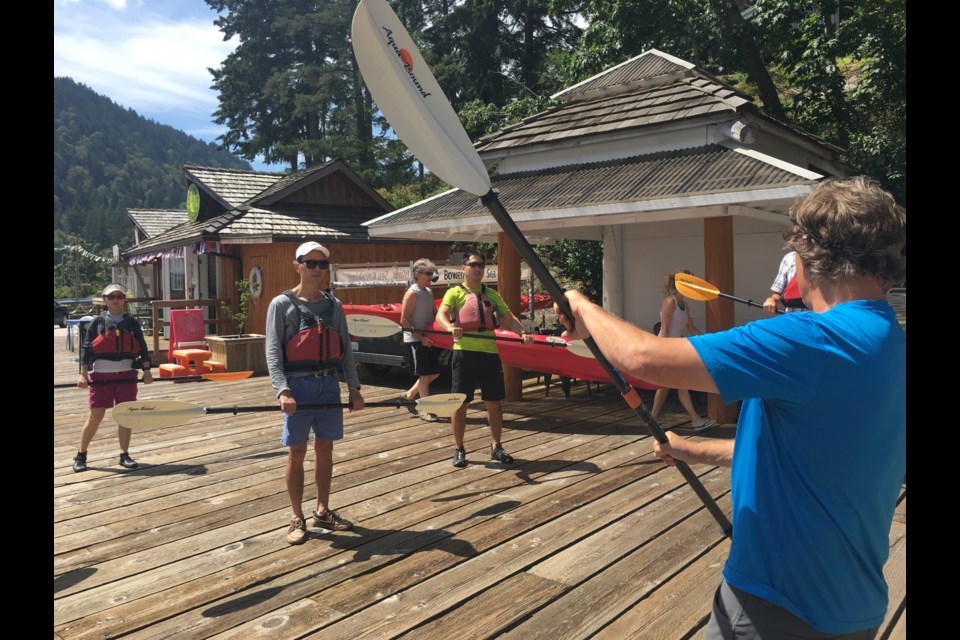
(219, 377)
(696, 289)
(410, 97)
(169, 413)
(369, 326)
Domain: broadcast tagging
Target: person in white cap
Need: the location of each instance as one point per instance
(308, 348)
(113, 342)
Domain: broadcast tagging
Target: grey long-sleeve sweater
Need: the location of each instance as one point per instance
(283, 323)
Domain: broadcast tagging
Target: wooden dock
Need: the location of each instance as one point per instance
(586, 536)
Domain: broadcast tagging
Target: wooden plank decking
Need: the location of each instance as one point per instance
(587, 536)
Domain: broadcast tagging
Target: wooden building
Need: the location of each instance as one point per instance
(667, 165)
(247, 225)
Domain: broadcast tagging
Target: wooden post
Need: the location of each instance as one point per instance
(718, 271)
(508, 285)
(613, 269)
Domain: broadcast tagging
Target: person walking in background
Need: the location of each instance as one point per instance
(307, 347)
(674, 319)
(820, 448)
(112, 343)
(784, 293)
(472, 307)
(418, 310)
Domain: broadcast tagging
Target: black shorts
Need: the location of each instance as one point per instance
(426, 360)
(472, 369)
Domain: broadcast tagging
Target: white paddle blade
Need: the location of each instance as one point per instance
(409, 96)
(162, 413)
(575, 347)
(580, 348)
(370, 326)
(443, 405)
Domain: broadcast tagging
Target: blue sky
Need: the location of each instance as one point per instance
(150, 56)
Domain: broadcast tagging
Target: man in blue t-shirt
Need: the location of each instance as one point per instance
(820, 450)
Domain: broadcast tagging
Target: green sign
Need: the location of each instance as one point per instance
(193, 202)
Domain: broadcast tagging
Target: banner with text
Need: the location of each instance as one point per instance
(370, 276)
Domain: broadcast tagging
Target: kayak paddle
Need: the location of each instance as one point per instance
(220, 377)
(370, 326)
(696, 289)
(411, 99)
(169, 413)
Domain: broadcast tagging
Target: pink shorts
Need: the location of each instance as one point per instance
(106, 395)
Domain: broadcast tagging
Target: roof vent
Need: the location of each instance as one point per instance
(741, 130)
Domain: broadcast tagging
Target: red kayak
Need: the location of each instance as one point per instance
(391, 311)
(544, 358)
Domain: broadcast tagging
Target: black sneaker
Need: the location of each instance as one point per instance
(498, 454)
(127, 462)
(80, 462)
(460, 458)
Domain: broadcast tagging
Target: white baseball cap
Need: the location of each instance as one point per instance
(307, 247)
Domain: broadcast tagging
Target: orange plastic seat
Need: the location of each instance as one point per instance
(171, 370)
(212, 366)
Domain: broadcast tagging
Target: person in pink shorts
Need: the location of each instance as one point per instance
(112, 343)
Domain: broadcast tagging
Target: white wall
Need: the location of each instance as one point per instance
(651, 251)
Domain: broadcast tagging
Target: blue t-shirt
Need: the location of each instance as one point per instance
(819, 457)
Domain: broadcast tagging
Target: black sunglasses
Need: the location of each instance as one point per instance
(115, 296)
(476, 265)
(315, 264)
(426, 273)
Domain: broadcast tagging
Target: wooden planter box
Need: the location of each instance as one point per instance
(240, 353)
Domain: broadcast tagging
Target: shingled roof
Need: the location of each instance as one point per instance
(653, 88)
(715, 173)
(233, 187)
(153, 222)
(256, 206)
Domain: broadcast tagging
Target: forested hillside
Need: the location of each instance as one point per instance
(107, 158)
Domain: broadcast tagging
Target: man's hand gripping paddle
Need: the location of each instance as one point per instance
(413, 102)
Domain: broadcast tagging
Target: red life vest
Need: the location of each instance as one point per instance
(317, 345)
(114, 343)
(477, 313)
(791, 295)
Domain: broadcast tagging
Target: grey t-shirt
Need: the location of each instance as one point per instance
(424, 312)
(283, 322)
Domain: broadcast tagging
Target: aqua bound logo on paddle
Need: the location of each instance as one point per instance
(407, 61)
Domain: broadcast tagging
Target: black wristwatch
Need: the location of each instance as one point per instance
(357, 389)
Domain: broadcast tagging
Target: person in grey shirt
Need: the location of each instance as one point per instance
(418, 311)
(307, 348)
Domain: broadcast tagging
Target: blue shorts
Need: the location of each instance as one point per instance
(327, 424)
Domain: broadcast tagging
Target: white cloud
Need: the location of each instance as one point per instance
(139, 59)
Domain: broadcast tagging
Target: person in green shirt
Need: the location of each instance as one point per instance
(474, 308)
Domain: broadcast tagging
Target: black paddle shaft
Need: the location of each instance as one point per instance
(492, 202)
(749, 303)
(68, 385)
(306, 407)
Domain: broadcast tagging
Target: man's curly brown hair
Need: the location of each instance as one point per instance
(850, 228)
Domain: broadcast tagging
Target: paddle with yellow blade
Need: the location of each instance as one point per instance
(696, 289)
(413, 103)
(169, 413)
(370, 326)
(219, 377)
